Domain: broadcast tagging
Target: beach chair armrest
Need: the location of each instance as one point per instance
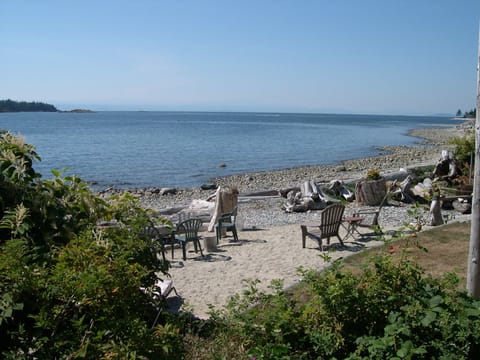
(365, 212)
(310, 225)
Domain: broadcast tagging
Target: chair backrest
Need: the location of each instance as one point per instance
(229, 217)
(190, 228)
(331, 219)
(155, 239)
(151, 232)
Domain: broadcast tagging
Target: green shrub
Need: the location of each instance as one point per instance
(263, 326)
(464, 148)
(389, 310)
(69, 288)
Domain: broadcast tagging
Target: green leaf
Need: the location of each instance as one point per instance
(435, 301)
(472, 312)
(405, 350)
(429, 317)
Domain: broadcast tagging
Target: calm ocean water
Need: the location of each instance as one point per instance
(184, 149)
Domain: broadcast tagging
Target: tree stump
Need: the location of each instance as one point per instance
(370, 192)
(436, 212)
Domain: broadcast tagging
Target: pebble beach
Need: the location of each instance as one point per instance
(267, 211)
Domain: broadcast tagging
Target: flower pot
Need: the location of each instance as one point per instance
(370, 192)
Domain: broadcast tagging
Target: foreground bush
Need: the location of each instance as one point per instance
(391, 310)
(68, 288)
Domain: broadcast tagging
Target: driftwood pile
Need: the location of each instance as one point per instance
(313, 196)
(401, 187)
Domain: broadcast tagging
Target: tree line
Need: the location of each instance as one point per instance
(468, 114)
(17, 106)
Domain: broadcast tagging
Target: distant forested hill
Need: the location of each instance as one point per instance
(17, 106)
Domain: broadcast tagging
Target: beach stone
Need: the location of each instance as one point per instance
(166, 191)
(208, 186)
(150, 191)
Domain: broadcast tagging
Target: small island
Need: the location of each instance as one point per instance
(23, 106)
(19, 106)
(78, 111)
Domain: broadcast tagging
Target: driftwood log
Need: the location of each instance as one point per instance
(370, 192)
(308, 198)
(309, 190)
(462, 205)
(446, 167)
(436, 212)
(284, 192)
(339, 189)
(404, 191)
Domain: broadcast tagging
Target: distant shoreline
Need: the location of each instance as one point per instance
(80, 111)
(102, 170)
(11, 106)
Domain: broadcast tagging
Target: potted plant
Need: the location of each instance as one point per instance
(372, 189)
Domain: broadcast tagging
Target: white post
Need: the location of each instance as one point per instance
(473, 274)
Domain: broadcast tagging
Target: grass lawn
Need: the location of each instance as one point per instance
(447, 250)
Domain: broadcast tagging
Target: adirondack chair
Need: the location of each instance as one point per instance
(330, 220)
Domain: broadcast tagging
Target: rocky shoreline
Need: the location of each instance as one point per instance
(266, 212)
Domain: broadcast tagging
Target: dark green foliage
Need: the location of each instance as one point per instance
(421, 172)
(69, 288)
(17, 106)
(391, 310)
(269, 326)
(470, 114)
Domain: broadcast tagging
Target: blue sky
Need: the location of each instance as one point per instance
(357, 56)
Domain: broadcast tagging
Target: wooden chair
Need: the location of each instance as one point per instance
(330, 220)
(370, 218)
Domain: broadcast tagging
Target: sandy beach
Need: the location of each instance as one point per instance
(269, 245)
(263, 254)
